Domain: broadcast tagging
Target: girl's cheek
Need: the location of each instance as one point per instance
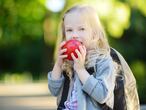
(68, 37)
(87, 42)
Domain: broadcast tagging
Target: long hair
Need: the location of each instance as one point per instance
(99, 40)
(90, 15)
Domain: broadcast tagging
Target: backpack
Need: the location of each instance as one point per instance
(125, 91)
(126, 82)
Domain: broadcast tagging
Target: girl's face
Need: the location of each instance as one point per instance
(77, 28)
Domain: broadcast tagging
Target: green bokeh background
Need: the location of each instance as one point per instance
(29, 30)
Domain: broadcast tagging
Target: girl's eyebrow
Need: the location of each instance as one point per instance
(68, 27)
(81, 26)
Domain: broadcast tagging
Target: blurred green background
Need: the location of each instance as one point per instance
(29, 30)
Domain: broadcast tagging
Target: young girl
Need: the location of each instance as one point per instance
(87, 91)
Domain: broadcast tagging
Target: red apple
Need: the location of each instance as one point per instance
(71, 46)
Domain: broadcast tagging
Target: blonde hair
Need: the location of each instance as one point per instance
(90, 15)
(99, 40)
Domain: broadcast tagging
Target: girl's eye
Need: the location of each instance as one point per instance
(69, 30)
(82, 29)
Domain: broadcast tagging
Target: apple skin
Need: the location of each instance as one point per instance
(71, 46)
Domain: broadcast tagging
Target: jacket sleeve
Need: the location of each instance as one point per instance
(101, 86)
(55, 85)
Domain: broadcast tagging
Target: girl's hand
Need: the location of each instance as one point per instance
(80, 61)
(79, 64)
(56, 72)
(60, 55)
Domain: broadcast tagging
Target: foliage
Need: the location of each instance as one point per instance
(28, 35)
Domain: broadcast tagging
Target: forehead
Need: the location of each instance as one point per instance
(75, 19)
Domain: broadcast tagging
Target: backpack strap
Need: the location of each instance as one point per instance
(119, 95)
(64, 93)
(114, 56)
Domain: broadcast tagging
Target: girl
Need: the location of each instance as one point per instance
(87, 91)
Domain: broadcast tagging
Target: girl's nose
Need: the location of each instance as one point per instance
(75, 37)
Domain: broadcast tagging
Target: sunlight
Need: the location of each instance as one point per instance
(119, 20)
(122, 13)
(55, 5)
(115, 14)
(139, 4)
(103, 8)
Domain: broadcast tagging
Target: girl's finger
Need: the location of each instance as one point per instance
(63, 56)
(84, 48)
(81, 50)
(62, 51)
(73, 57)
(61, 45)
(78, 53)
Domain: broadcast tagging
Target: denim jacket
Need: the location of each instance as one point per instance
(98, 88)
